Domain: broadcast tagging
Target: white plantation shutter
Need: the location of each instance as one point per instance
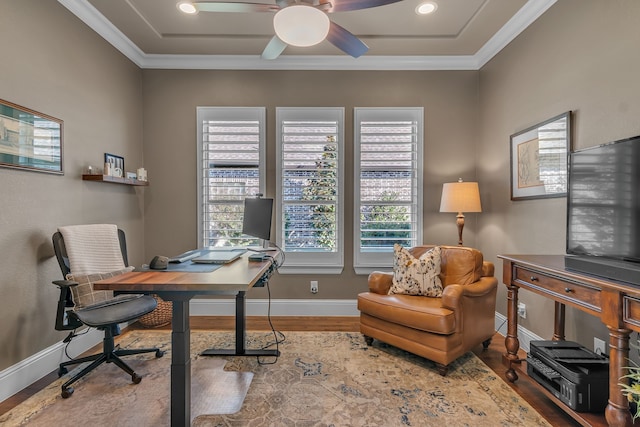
(310, 188)
(388, 183)
(231, 147)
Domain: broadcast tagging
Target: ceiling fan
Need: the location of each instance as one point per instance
(298, 22)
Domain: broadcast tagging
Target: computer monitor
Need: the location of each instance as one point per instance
(257, 219)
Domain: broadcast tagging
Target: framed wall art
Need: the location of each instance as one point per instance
(29, 140)
(539, 159)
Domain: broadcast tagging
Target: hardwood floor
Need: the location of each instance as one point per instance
(492, 357)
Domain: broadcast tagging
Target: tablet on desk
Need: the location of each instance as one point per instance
(218, 257)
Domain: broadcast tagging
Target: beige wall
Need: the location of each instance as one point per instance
(54, 64)
(580, 56)
(449, 99)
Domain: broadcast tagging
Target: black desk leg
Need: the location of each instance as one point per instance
(180, 365)
(241, 322)
(241, 327)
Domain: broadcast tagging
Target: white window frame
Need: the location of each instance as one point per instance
(311, 262)
(227, 113)
(364, 262)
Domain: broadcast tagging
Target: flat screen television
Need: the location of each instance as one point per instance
(257, 219)
(603, 211)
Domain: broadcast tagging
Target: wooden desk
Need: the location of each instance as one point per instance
(231, 279)
(616, 304)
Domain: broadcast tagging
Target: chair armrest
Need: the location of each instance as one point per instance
(66, 320)
(65, 283)
(452, 294)
(488, 269)
(380, 282)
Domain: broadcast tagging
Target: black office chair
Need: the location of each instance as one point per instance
(80, 305)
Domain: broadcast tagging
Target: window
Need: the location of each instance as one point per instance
(310, 147)
(388, 147)
(231, 167)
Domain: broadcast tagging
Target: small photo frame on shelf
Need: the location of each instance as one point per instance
(115, 161)
(539, 158)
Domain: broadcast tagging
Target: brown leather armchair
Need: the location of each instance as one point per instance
(439, 329)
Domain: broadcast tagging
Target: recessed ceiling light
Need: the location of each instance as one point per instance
(426, 8)
(187, 7)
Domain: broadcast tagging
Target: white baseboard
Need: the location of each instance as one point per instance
(525, 336)
(279, 307)
(30, 370)
(22, 374)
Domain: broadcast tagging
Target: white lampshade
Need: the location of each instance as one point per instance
(301, 25)
(460, 197)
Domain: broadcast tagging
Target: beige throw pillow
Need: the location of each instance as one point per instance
(416, 276)
(84, 295)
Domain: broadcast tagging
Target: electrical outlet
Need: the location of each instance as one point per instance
(522, 310)
(599, 346)
(314, 286)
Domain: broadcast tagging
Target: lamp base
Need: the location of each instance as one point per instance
(460, 223)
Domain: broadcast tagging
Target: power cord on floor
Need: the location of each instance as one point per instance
(70, 337)
(278, 337)
(500, 327)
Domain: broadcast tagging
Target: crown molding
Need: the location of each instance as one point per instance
(308, 62)
(518, 23)
(531, 11)
(101, 25)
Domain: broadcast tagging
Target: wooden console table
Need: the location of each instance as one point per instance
(616, 304)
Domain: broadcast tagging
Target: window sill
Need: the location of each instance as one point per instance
(366, 270)
(311, 269)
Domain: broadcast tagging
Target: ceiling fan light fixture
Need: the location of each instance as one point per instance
(301, 25)
(426, 8)
(187, 7)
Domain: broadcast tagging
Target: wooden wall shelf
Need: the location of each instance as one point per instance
(115, 180)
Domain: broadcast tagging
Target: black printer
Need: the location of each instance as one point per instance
(571, 372)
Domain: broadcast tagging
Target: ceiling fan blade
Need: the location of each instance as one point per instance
(347, 5)
(284, 3)
(344, 40)
(274, 48)
(215, 6)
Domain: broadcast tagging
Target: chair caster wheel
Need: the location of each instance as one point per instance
(66, 392)
(62, 371)
(136, 378)
(159, 353)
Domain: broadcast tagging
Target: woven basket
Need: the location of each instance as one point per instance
(160, 316)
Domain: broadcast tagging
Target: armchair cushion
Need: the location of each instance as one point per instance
(84, 295)
(416, 276)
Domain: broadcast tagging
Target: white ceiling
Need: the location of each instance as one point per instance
(460, 35)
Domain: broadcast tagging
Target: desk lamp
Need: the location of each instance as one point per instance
(460, 197)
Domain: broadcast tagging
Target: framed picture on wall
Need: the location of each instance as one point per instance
(539, 159)
(29, 140)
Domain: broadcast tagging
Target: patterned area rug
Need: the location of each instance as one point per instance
(321, 379)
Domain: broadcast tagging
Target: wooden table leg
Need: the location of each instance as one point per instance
(558, 326)
(617, 412)
(511, 342)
